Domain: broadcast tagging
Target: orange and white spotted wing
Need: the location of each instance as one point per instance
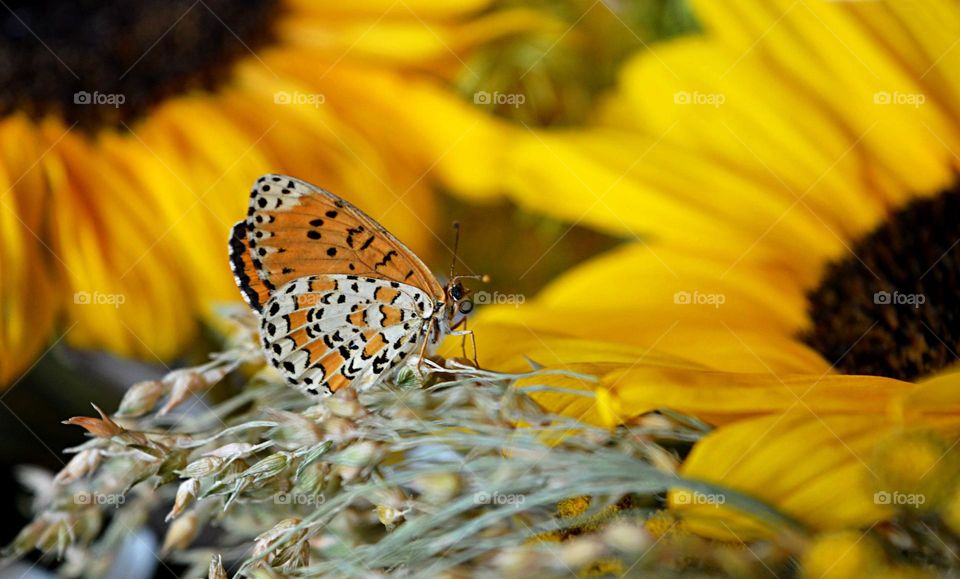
(341, 300)
(327, 331)
(296, 229)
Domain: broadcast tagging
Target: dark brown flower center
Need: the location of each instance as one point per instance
(892, 308)
(102, 62)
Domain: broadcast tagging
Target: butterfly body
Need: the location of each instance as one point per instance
(341, 301)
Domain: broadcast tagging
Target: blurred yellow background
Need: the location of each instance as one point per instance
(127, 151)
(743, 211)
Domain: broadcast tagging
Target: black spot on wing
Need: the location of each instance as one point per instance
(386, 259)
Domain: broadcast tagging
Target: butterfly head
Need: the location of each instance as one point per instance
(457, 296)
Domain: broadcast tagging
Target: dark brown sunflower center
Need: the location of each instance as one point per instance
(892, 308)
(99, 63)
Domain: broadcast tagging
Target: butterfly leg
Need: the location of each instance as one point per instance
(463, 344)
(423, 347)
(423, 352)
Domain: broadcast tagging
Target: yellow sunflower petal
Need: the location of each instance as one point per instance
(813, 466)
(808, 467)
(938, 395)
(822, 48)
(418, 37)
(29, 271)
(195, 176)
(789, 124)
(126, 290)
(690, 304)
(926, 33)
(722, 397)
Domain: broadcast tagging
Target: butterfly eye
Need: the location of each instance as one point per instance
(456, 292)
(465, 307)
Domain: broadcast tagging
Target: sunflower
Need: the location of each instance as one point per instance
(787, 185)
(128, 135)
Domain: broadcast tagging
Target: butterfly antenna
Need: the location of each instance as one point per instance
(456, 245)
(453, 266)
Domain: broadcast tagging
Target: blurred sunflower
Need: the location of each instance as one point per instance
(128, 133)
(790, 181)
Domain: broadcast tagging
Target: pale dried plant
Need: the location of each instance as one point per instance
(457, 476)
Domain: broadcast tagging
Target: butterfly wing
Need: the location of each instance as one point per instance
(252, 288)
(324, 332)
(297, 230)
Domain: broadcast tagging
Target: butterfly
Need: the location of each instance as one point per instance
(341, 301)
